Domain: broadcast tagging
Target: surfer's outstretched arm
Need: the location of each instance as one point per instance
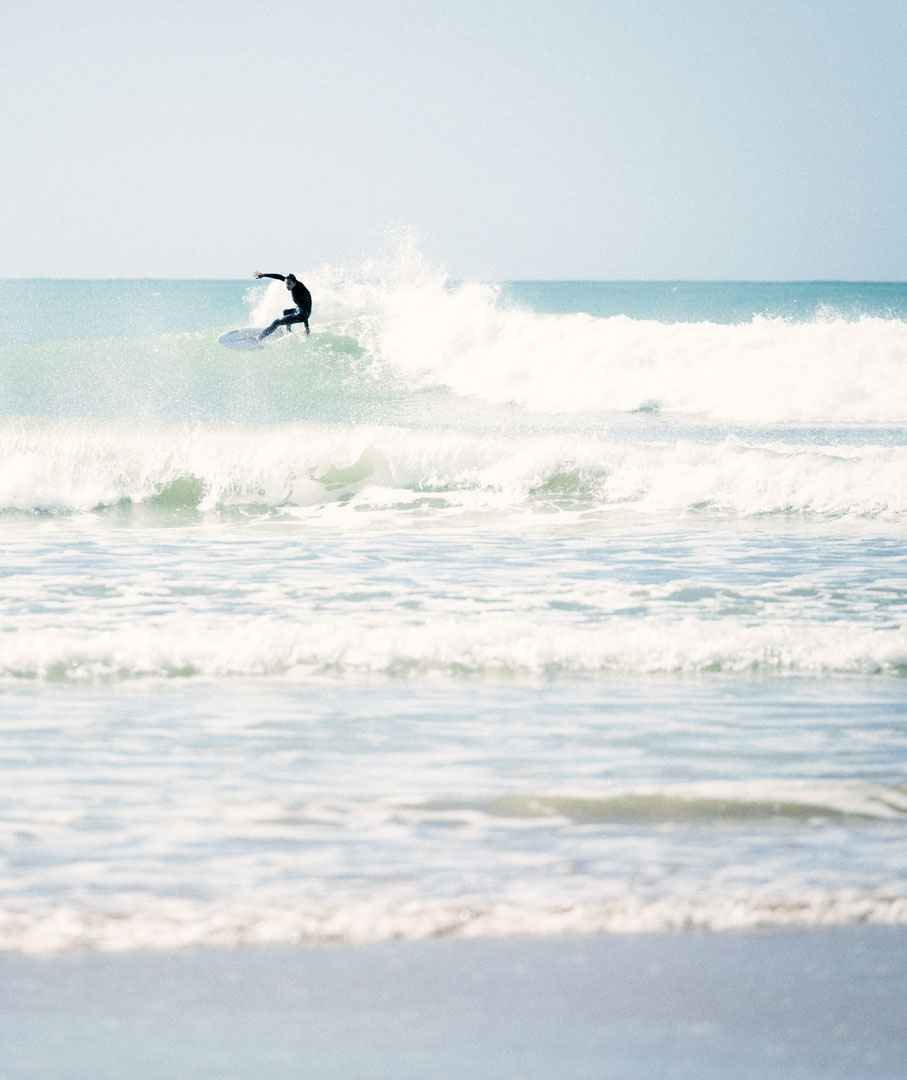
(277, 277)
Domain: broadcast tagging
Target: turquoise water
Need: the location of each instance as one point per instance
(487, 609)
(44, 309)
(714, 301)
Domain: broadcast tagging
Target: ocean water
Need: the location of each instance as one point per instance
(488, 609)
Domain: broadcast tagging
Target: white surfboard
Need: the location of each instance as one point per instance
(247, 338)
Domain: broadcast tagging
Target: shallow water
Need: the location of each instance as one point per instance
(532, 608)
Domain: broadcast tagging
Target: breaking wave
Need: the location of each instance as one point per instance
(474, 340)
(768, 370)
(83, 466)
(511, 647)
(390, 329)
(164, 923)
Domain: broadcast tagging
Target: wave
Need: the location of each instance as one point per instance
(189, 377)
(768, 370)
(469, 338)
(85, 466)
(705, 803)
(506, 647)
(389, 330)
(165, 923)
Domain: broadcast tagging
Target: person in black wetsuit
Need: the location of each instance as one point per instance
(302, 298)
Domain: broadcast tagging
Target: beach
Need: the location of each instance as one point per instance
(827, 1004)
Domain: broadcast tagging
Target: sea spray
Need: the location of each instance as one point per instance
(391, 330)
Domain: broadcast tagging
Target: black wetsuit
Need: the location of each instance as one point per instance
(302, 298)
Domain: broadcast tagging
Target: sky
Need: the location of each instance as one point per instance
(599, 140)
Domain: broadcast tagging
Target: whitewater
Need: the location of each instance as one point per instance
(488, 609)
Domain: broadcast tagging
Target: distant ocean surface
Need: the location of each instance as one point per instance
(521, 608)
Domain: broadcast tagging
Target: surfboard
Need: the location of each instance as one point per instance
(247, 338)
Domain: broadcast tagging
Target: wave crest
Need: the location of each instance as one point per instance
(390, 328)
(70, 467)
(503, 648)
(171, 924)
(470, 338)
(769, 370)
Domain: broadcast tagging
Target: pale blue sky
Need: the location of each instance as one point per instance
(705, 139)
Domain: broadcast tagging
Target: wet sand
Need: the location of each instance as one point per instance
(822, 1004)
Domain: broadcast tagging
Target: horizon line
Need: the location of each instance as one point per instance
(507, 280)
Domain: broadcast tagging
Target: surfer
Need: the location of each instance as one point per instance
(302, 298)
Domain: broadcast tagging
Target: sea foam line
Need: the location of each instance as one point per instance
(84, 466)
(143, 923)
(502, 647)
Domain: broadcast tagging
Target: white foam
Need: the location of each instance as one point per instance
(87, 465)
(461, 335)
(504, 646)
(766, 370)
(143, 923)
